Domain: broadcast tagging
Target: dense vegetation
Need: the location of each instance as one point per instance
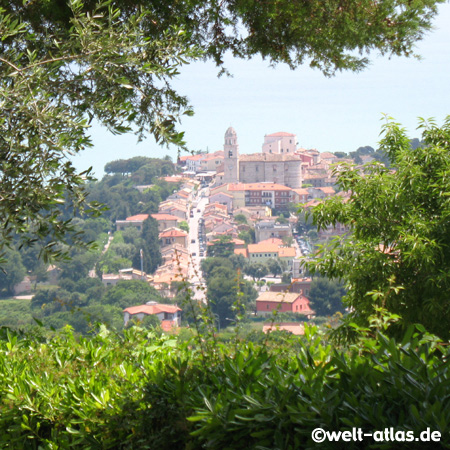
(398, 252)
(143, 391)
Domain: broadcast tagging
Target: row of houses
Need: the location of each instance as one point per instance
(272, 195)
(290, 300)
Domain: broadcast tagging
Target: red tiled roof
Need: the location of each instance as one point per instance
(167, 325)
(328, 155)
(173, 233)
(301, 191)
(327, 190)
(281, 134)
(152, 309)
(241, 251)
(271, 241)
(174, 179)
(286, 252)
(161, 216)
(138, 217)
(294, 328)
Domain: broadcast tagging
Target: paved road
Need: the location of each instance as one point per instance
(194, 273)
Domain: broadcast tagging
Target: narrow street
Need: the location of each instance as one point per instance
(195, 248)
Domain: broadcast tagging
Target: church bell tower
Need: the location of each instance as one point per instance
(231, 157)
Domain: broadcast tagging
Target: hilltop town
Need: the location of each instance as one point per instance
(167, 222)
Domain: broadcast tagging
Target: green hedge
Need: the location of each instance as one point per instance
(141, 391)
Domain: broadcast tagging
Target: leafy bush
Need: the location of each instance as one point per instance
(145, 391)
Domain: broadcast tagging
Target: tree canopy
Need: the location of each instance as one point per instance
(397, 255)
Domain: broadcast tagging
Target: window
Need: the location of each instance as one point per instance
(257, 169)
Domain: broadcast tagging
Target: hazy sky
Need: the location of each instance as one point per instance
(330, 114)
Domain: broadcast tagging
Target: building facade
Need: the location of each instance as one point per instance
(280, 143)
(277, 167)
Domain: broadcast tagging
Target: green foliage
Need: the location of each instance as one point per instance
(15, 313)
(13, 271)
(79, 264)
(130, 293)
(398, 253)
(228, 295)
(149, 243)
(248, 236)
(222, 247)
(276, 266)
(256, 270)
(286, 277)
(183, 225)
(94, 65)
(141, 390)
(240, 218)
(210, 266)
(326, 296)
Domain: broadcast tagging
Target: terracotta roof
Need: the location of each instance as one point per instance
(167, 278)
(173, 179)
(138, 217)
(221, 193)
(241, 251)
(195, 157)
(327, 190)
(236, 187)
(152, 309)
(294, 328)
(280, 134)
(168, 325)
(271, 241)
(328, 155)
(301, 191)
(162, 216)
(263, 248)
(173, 232)
(312, 203)
(286, 252)
(278, 297)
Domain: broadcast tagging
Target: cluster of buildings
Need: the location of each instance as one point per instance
(280, 162)
(257, 186)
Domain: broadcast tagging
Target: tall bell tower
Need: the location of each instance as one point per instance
(231, 157)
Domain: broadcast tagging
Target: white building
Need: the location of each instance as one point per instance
(280, 143)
